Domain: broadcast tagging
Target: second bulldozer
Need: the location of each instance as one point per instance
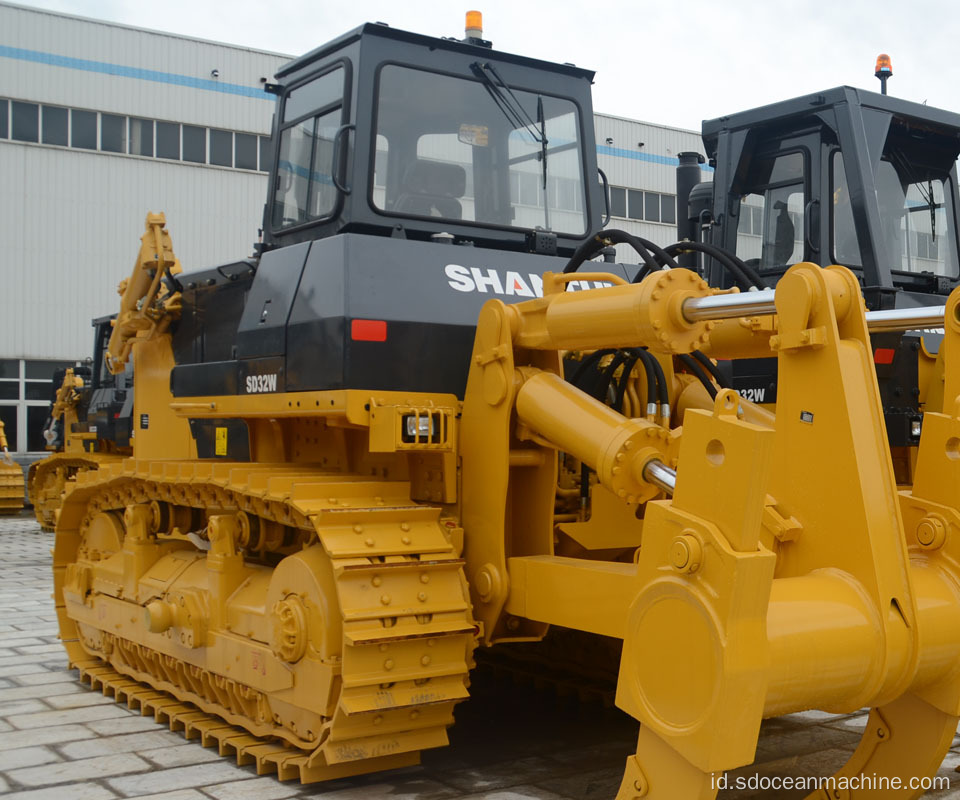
(88, 426)
(11, 479)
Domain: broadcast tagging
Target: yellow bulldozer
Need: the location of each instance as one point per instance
(11, 478)
(89, 425)
(420, 425)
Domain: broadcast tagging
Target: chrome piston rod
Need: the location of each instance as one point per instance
(761, 304)
(660, 475)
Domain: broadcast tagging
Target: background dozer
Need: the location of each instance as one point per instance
(846, 177)
(89, 425)
(11, 479)
(421, 424)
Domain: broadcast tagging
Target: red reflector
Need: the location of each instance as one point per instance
(884, 355)
(368, 330)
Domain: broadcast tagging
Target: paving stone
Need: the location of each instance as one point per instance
(21, 669)
(38, 691)
(80, 699)
(45, 718)
(78, 791)
(128, 722)
(515, 793)
(180, 755)
(182, 794)
(54, 735)
(26, 757)
(55, 647)
(215, 773)
(271, 789)
(496, 776)
(84, 769)
(40, 678)
(13, 707)
(122, 744)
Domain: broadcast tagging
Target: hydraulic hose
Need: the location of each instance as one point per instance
(663, 257)
(595, 244)
(698, 371)
(625, 379)
(581, 370)
(746, 276)
(712, 368)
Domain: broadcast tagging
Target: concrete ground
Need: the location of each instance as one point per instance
(61, 741)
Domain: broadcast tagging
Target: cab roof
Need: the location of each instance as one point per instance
(381, 30)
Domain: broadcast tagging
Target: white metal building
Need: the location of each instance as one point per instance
(101, 123)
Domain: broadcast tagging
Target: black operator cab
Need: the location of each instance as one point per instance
(414, 178)
(845, 177)
(388, 132)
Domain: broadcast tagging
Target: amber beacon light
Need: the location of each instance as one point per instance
(883, 71)
(474, 27)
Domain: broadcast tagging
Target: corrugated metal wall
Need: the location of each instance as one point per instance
(70, 219)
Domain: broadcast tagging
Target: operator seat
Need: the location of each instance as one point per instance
(432, 189)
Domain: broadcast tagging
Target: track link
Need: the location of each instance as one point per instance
(406, 632)
(47, 479)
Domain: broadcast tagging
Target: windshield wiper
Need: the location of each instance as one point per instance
(512, 109)
(507, 101)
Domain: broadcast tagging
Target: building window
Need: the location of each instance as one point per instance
(113, 133)
(668, 208)
(26, 125)
(168, 140)
(141, 137)
(221, 148)
(55, 125)
(618, 202)
(83, 129)
(635, 210)
(651, 207)
(195, 144)
(265, 153)
(245, 152)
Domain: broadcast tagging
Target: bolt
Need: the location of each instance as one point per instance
(425, 660)
(376, 580)
(404, 526)
(405, 539)
(686, 553)
(358, 528)
(369, 542)
(932, 532)
(424, 578)
(385, 599)
(414, 714)
(388, 664)
(422, 597)
(377, 719)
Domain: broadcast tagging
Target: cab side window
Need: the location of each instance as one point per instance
(312, 114)
(770, 223)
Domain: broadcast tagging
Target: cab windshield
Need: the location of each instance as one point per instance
(472, 151)
(916, 227)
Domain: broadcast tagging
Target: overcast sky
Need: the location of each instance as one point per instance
(674, 63)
